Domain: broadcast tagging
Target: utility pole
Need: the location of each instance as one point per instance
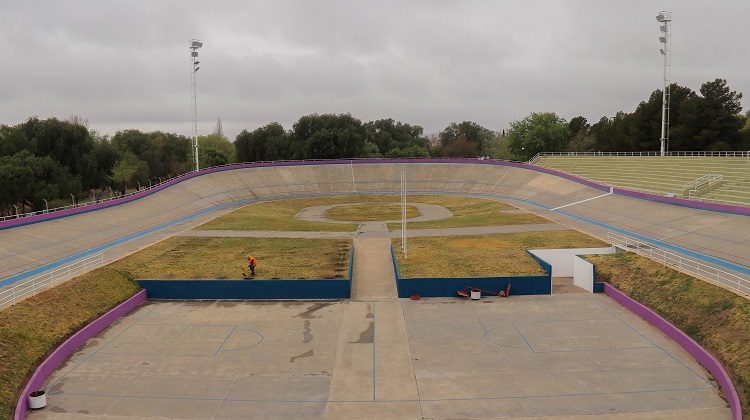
(665, 18)
(194, 45)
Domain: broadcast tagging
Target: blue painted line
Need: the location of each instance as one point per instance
(686, 251)
(108, 245)
(373, 353)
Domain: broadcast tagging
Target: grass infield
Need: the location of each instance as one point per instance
(279, 215)
(714, 317)
(483, 255)
(226, 258)
(371, 212)
(468, 211)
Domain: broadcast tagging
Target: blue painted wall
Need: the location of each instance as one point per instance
(247, 289)
(251, 289)
(447, 286)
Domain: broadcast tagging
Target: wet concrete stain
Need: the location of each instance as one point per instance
(90, 343)
(56, 409)
(367, 336)
(308, 314)
(308, 353)
(84, 412)
(307, 332)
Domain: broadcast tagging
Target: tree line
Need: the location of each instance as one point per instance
(51, 162)
(707, 120)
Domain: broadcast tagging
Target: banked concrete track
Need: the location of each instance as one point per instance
(32, 248)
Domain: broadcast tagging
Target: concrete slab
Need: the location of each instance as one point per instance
(562, 356)
(373, 276)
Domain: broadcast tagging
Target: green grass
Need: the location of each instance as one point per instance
(469, 211)
(714, 317)
(483, 255)
(226, 258)
(279, 215)
(370, 212)
(33, 327)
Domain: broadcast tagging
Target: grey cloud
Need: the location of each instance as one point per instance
(125, 64)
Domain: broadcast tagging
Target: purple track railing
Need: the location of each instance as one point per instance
(726, 208)
(700, 354)
(64, 350)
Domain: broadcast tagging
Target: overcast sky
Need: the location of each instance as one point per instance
(125, 64)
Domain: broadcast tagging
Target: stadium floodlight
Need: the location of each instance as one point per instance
(665, 17)
(194, 45)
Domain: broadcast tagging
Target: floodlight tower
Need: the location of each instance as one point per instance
(194, 45)
(665, 18)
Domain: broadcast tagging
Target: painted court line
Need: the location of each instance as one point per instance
(611, 190)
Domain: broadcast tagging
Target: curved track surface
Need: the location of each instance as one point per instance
(30, 249)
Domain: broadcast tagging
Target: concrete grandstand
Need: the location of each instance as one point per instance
(663, 174)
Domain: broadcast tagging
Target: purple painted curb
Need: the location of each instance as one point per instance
(696, 350)
(725, 208)
(61, 353)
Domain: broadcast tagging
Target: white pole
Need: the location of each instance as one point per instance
(194, 45)
(665, 18)
(403, 213)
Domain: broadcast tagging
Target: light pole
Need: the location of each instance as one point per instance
(665, 18)
(194, 45)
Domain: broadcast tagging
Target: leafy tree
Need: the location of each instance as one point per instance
(269, 142)
(466, 139)
(412, 150)
(165, 154)
(328, 136)
(214, 150)
(578, 125)
(124, 171)
(388, 135)
(539, 132)
(28, 180)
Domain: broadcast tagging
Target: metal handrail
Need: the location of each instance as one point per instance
(18, 292)
(145, 189)
(695, 186)
(733, 282)
(687, 153)
(263, 162)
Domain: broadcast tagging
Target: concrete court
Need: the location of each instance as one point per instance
(570, 355)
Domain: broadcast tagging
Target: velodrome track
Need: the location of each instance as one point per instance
(714, 237)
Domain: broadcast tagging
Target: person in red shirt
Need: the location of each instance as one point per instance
(251, 263)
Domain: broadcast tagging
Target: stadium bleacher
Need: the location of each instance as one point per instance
(662, 174)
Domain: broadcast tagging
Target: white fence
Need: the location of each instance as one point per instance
(696, 153)
(32, 286)
(702, 184)
(711, 274)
